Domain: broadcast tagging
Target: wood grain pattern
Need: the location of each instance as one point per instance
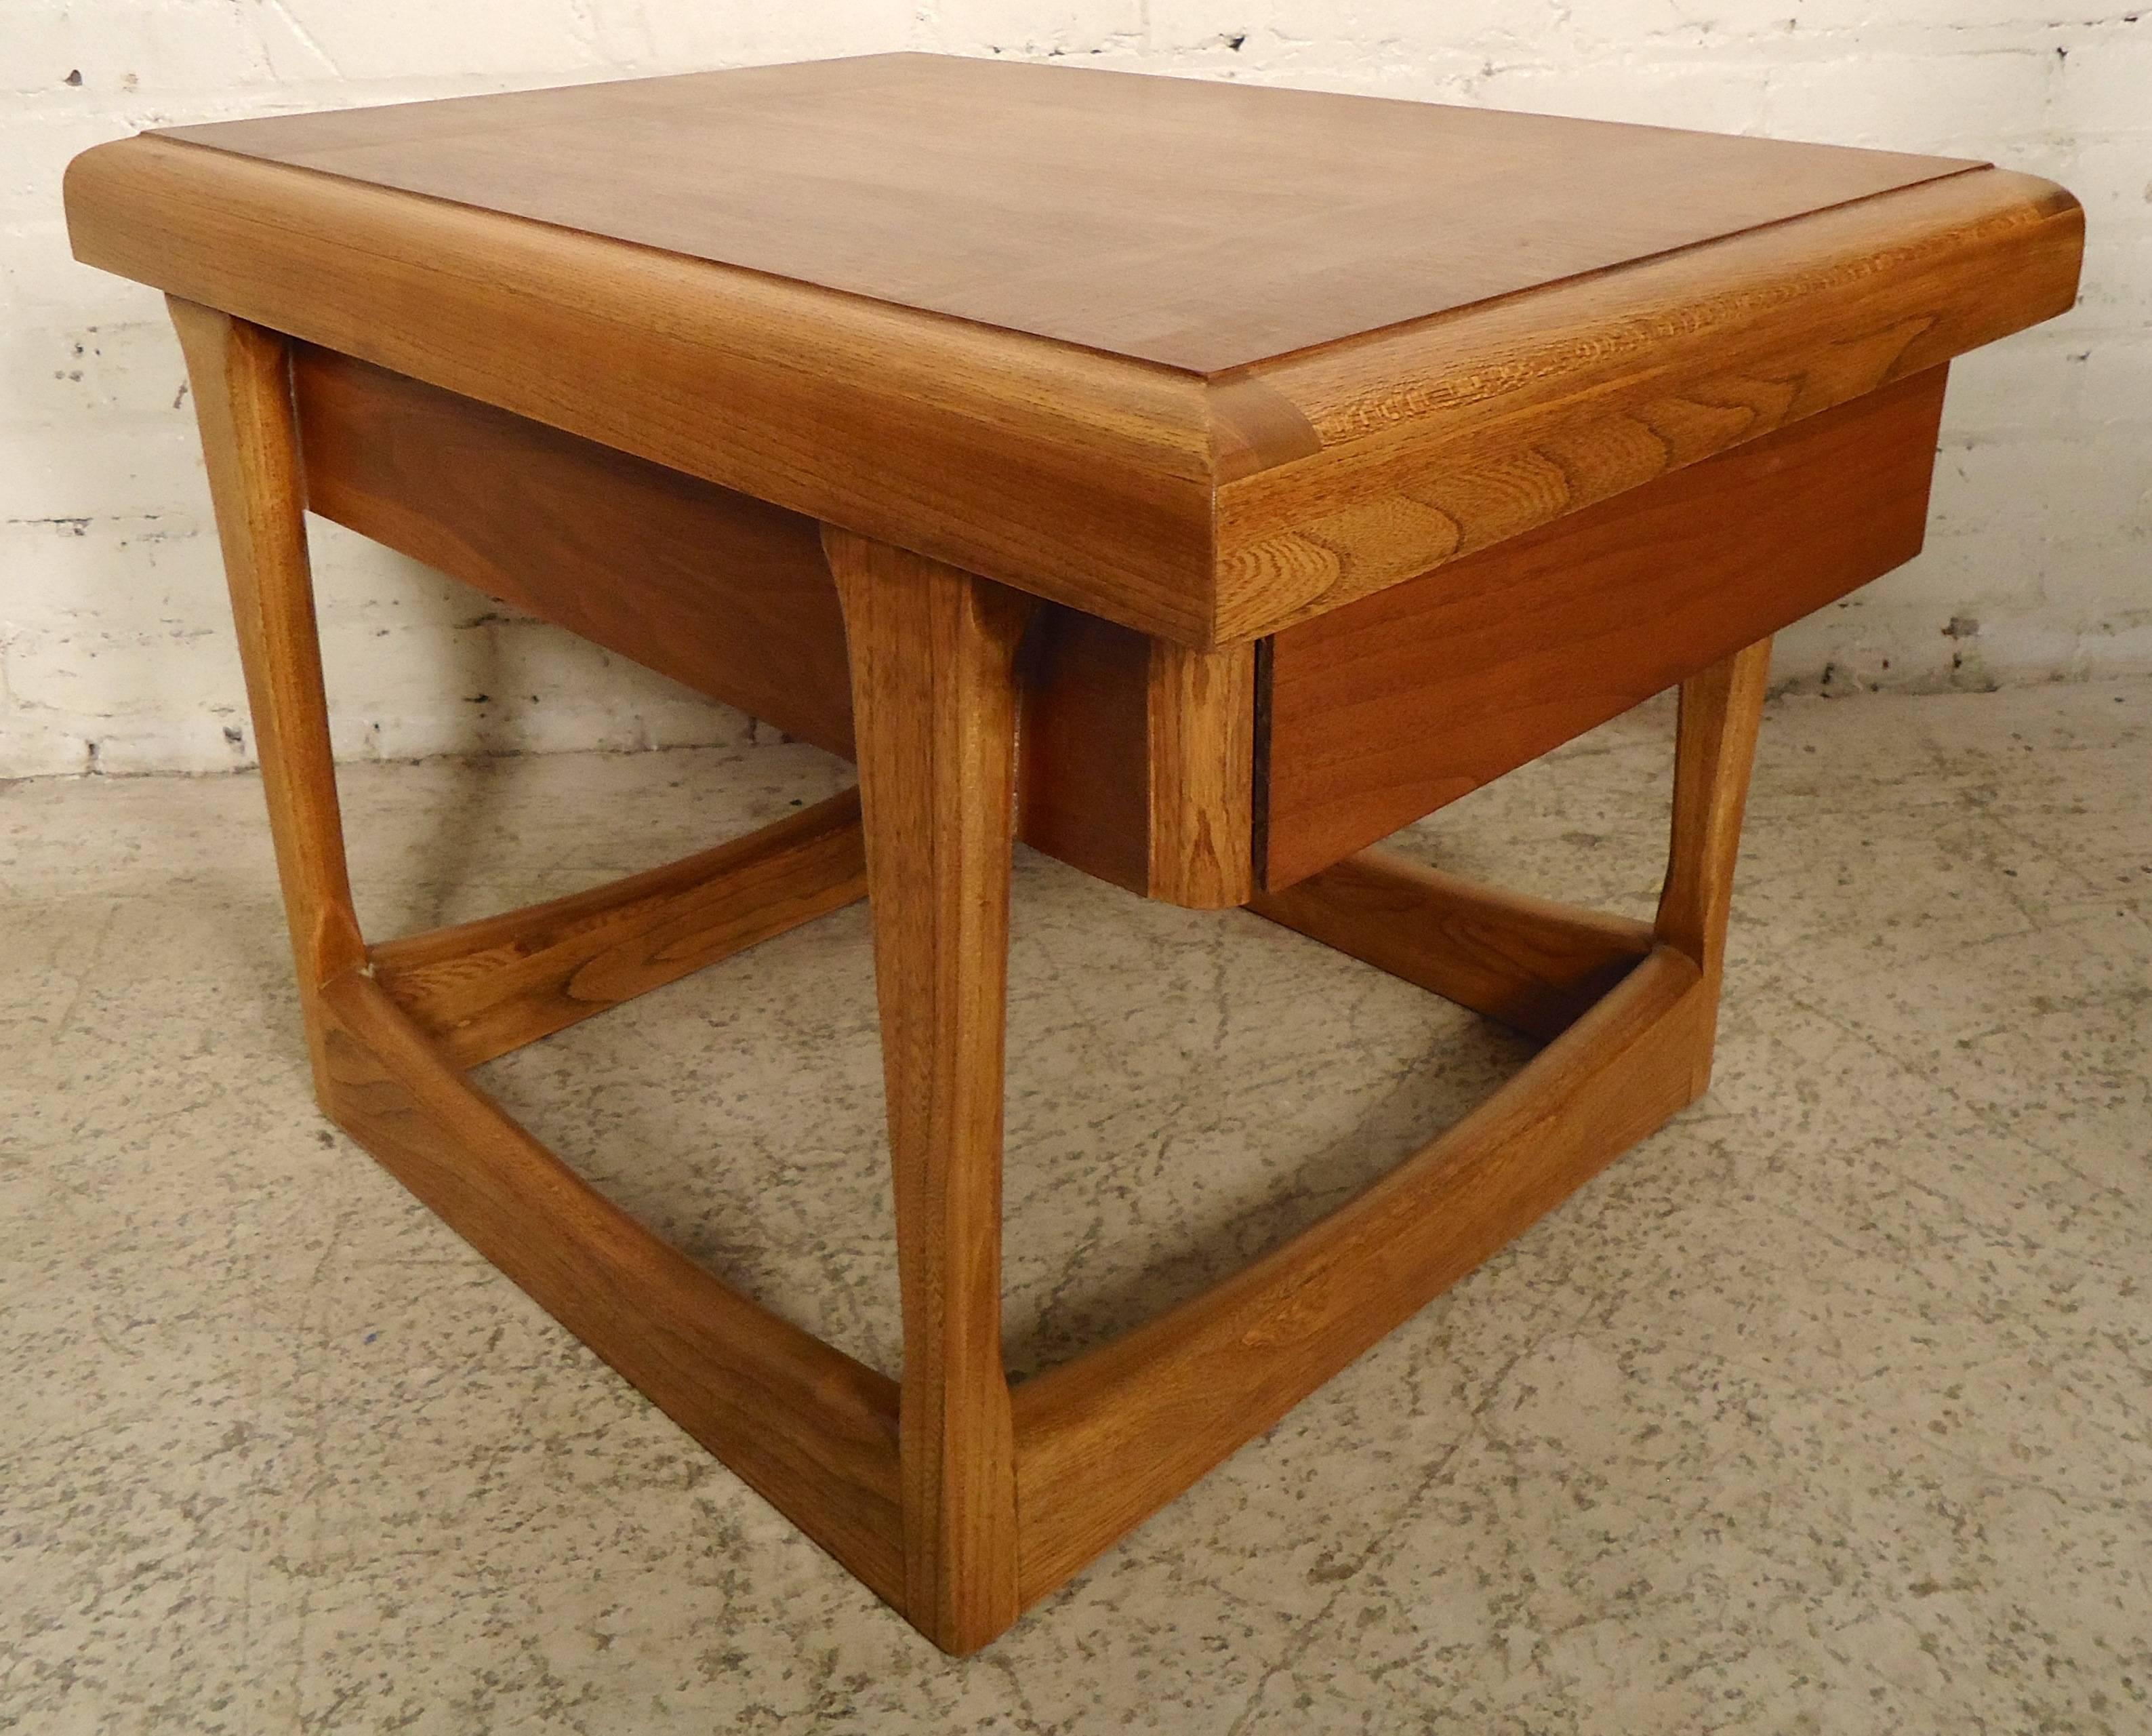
(1359, 452)
(1202, 716)
(934, 692)
(1084, 786)
(1535, 965)
(1454, 433)
(811, 1431)
(1382, 711)
(1714, 750)
(809, 1428)
(718, 590)
(479, 989)
(1205, 509)
(733, 598)
(240, 379)
(1200, 225)
(1103, 1441)
(1078, 476)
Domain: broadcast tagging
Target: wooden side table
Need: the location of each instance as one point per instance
(1197, 482)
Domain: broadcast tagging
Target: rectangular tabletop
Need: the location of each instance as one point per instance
(1203, 226)
(1202, 359)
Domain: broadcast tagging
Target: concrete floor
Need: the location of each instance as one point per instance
(1825, 1410)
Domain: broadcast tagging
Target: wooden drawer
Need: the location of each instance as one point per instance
(1379, 713)
(1195, 777)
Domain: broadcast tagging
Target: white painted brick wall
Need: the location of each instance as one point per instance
(114, 653)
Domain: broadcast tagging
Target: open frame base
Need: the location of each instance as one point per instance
(955, 1497)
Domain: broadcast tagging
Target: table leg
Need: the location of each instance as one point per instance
(916, 1487)
(809, 1428)
(1104, 1441)
(242, 381)
(1714, 750)
(934, 685)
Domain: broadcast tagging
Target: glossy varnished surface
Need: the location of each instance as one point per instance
(1202, 226)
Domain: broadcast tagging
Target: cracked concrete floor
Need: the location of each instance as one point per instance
(1825, 1410)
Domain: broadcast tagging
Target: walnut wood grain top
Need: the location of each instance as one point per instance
(1199, 225)
(1200, 360)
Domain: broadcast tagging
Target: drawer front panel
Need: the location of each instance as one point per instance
(1378, 713)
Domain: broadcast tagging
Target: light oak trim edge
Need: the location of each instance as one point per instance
(1149, 500)
(1452, 433)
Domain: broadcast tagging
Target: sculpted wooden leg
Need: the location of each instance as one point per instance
(933, 662)
(1104, 1441)
(915, 1486)
(240, 377)
(810, 1429)
(1714, 749)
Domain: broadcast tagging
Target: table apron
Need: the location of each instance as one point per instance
(1197, 777)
